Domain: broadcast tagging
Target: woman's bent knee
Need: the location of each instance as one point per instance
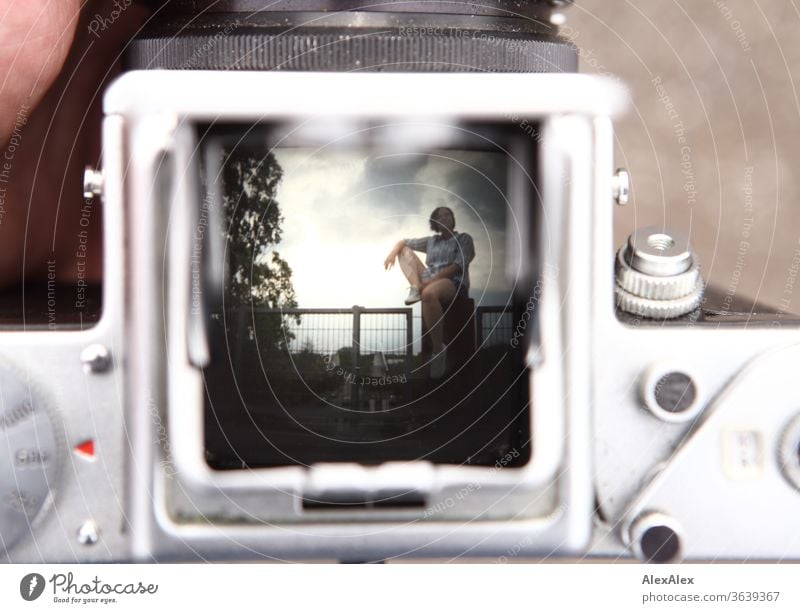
(429, 295)
(442, 291)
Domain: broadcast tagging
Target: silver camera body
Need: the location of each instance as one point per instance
(104, 426)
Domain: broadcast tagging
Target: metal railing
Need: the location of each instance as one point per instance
(494, 325)
(372, 330)
(347, 338)
(386, 331)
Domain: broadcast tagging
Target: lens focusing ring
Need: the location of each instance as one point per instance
(353, 35)
(344, 50)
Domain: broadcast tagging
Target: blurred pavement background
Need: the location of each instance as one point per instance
(713, 139)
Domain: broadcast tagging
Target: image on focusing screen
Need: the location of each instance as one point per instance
(367, 313)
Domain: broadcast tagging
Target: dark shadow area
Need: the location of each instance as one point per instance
(272, 407)
(51, 306)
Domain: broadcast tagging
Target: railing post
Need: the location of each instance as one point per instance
(409, 350)
(356, 395)
(479, 326)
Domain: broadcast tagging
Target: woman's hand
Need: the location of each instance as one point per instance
(390, 259)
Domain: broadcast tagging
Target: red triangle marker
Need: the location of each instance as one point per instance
(86, 449)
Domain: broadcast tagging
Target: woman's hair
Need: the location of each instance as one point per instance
(434, 220)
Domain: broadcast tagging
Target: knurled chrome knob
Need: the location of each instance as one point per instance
(654, 288)
(660, 309)
(658, 275)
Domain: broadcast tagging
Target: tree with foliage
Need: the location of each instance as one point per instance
(257, 275)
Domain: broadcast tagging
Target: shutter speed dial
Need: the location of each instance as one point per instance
(29, 452)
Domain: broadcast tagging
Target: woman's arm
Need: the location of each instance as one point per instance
(390, 259)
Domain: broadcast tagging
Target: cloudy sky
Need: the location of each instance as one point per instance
(345, 210)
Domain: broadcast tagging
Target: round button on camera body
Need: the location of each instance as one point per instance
(670, 393)
(655, 537)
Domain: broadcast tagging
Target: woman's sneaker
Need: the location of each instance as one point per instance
(413, 295)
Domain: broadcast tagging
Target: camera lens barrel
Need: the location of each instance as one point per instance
(354, 35)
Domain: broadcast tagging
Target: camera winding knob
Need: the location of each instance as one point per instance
(658, 275)
(29, 474)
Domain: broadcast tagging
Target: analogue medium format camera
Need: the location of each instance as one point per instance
(250, 383)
